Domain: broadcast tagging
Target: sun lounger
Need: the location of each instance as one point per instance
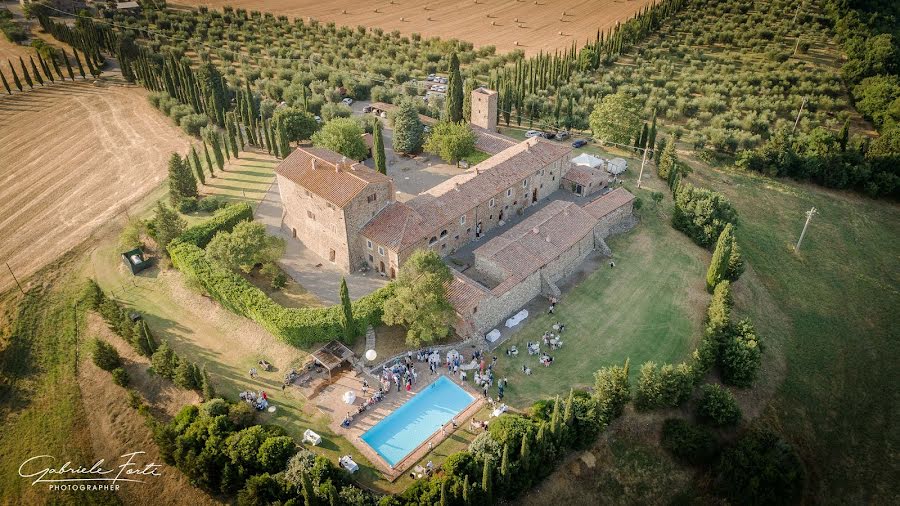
(311, 437)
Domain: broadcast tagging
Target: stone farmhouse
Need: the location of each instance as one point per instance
(346, 214)
(532, 256)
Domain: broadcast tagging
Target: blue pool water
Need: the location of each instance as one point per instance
(399, 433)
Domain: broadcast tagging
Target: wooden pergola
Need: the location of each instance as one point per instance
(331, 356)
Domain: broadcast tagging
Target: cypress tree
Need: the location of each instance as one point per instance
(56, 67)
(453, 107)
(525, 450)
(182, 183)
(348, 322)
(569, 414)
(232, 136)
(504, 462)
(25, 72)
(445, 496)
(45, 68)
(215, 145)
(209, 162)
(465, 491)
(34, 70)
(555, 419)
(224, 143)
(65, 58)
(651, 135)
(719, 263)
(198, 167)
(467, 99)
(15, 76)
(735, 261)
(380, 159)
(844, 135)
(487, 482)
(5, 84)
(206, 387)
(267, 130)
(309, 494)
(78, 61)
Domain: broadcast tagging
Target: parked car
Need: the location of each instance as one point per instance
(367, 109)
(426, 129)
(430, 77)
(548, 135)
(318, 119)
(562, 135)
(348, 101)
(579, 143)
(533, 133)
(442, 88)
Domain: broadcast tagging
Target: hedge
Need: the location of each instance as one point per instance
(296, 326)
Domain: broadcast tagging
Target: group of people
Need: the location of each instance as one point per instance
(402, 374)
(259, 400)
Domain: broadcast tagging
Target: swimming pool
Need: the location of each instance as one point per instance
(399, 433)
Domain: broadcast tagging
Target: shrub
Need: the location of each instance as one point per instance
(192, 123)
(717, 406)
(760, 469)
(105, 355)
(187, 205)
(210, 204)
(687, 442)
(120, 377)
(701, 214)
(740, 355)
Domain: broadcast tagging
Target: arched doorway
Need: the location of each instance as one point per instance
(393, 273)
(534, 196)
(382, 266)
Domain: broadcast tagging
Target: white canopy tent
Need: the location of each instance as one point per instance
(616, 166)
(588, 160)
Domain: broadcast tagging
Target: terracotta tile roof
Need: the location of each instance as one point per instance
(464, 293)
(459, 194)
(491, 142)
(585, 176)
(536, 241)
(395, 227)
(328, 174)
(609, 202)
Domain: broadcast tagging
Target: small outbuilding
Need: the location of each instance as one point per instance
(135, 260)
(588, 160)
(616, 166)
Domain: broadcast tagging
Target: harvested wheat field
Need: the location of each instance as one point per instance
(72, 156)
(535, 25)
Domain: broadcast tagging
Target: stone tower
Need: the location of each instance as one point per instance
(484, 109)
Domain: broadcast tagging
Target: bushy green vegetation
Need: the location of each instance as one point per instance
(297, 326)
(717, 406)
(13, 31)
(689, 443)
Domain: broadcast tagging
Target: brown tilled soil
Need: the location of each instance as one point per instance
(535, 25)
(72, 156)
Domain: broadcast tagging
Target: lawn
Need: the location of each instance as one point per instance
(650, 306)
(476, 157)
(834, 328)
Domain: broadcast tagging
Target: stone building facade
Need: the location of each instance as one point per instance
(530, 258)
(484, 108)
(327, 200)
(465, 207)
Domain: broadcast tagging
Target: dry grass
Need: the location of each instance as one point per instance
(74, 156)
(538, 27)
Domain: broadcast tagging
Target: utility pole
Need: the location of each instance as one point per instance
(14, 278)
(643, 161)
(805, 100)
(809, 214)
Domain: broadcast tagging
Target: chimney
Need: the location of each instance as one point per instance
(456, 186)
(535, 230)
(313, 163)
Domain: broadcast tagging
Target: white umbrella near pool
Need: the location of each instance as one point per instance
(349, 397)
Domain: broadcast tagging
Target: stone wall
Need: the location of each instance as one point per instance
(604, 227)
(484, 108)
(359, 211)
(315, 222)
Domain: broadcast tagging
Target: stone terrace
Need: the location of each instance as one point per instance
(330, 402)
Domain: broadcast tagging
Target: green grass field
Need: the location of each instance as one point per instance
(834, 327)
(649, 307)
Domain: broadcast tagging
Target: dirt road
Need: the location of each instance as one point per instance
(73, 156)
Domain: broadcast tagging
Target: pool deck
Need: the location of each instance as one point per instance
(330, 402)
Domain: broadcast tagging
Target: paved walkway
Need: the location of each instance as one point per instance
(305, 267)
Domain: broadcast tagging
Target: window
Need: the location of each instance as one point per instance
(468, 230)
(491, 203)
(329, 205)
(456, 238)
(542, 172)
(509, 192)
(368, 244)
(462, 220)
(372, 198)
(524, 183)
(307, 193)
(474, 309)
(371, 258)
(332, 255)
(310, 215)
(443, 234)
(432, 240)
(381, 251)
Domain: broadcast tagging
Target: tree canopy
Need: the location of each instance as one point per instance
(343, 136)
(451, 141)
(616, 119)
(408, 130)
(245, 246)
(420, 299)
(296, 123)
